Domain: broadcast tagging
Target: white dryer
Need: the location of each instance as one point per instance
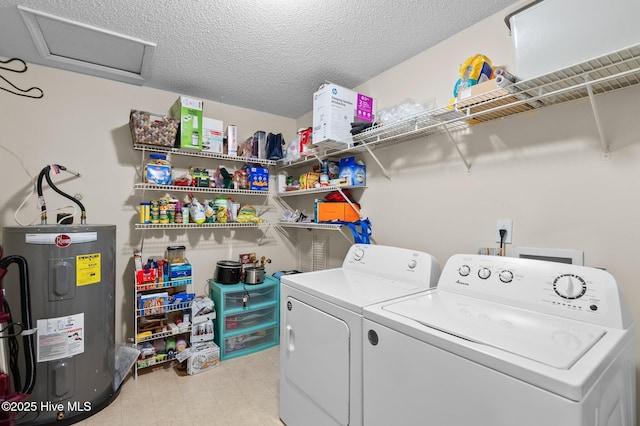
(502, 342)
(321, 329)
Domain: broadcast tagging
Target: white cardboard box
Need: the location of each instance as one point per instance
(335, 108)
(212, 138)
(204, 356)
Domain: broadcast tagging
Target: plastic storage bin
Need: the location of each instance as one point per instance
(245, 320)
(242, 344)
(550, 35)
(247, 316)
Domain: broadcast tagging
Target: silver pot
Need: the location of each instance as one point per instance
(253, 275)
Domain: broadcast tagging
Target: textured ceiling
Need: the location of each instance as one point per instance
(267, 55)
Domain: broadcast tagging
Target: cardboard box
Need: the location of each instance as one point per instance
(258, 178)
(204, 356)
(212, 138)
(354, 173)
(189, 111)
(153, 304)
(231, 134)
(180, 271)
(329, 211)
(334, 109)
(488, 95)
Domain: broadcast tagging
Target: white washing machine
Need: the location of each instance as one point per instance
(321, 329)
(502, 342)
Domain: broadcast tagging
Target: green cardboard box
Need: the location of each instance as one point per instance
(189, 111)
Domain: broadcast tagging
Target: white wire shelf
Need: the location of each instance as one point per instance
(330, 188)
(176, 188)
(599, 75)
(203, 154)
(168, 226)
(162, 309)
(153, 360)
(311, 225)
(162, 285)
(163, 334)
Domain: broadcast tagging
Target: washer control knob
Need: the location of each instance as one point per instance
(570, 286)
(358, 254)
(412, 264)
(506, 276)
(464, 270)
(484, 272)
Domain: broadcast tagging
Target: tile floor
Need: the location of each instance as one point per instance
(238, 392)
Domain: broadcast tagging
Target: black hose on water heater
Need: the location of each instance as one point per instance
(44, 173)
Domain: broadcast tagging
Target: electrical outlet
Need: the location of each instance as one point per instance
(504, 224)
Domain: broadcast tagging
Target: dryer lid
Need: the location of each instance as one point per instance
(350, 289)
(551, 340)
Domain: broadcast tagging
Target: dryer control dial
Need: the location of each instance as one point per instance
(464, 270)
(358, 254)
(506, 276)
(569, 286)
(412, 264)
(484, 272)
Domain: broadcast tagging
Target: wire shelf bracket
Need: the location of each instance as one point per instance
(375, 158)
(457, 147)
(606, 152)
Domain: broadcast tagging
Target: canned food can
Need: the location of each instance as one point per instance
(145, 212)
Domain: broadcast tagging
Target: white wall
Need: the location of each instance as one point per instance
(82, 123)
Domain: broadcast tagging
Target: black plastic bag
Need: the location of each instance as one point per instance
(274, 146)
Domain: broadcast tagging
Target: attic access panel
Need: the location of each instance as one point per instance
(89, 50)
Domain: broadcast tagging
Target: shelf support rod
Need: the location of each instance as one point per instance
(262, 209)
(317, 157)
(264, 234)
(283, 231)
(141, 175)
(606, 153)
(455, 144)
(384, 171)
(282, 202)
(353, 206)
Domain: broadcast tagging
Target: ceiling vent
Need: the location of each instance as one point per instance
(89, 50)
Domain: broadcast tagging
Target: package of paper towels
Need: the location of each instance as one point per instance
(550, 35)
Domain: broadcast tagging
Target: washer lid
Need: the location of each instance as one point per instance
(350, 289)
(554, 341)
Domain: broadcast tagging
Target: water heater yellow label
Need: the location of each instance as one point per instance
(87, 269)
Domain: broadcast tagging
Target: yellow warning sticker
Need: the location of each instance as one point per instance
(87, 269)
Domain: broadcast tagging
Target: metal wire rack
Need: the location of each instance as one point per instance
(310, 225)
(169, 226)
(177, 188)
(609, 72)
(204, 154)
(298, 192)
